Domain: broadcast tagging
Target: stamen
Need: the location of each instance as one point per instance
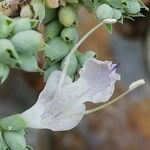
(133, 86)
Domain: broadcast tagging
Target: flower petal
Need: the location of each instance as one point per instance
(34, 115)
(54, 115)
(50, 88)
(65, 119)
(64, 110)
(96, 83)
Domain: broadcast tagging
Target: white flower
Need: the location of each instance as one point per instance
(61, 105)
(64, 109)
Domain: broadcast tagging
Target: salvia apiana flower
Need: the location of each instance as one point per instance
(61, 105)
(65, 110)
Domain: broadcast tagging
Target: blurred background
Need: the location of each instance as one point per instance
(121, 126)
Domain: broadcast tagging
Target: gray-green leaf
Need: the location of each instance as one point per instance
(14, 140)
(13, 123)
(3, 145)
(29, 63)
(4, 72)
(8, 54)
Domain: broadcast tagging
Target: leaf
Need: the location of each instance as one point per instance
(90, 4)
(6, 26)
(72, 67)
(29, 63)
(8, 54)
(14, 140)
(3, 145)
(56, 49)
(4, 72)
(51, 69)
(84, 56)
(28, 42)
(115, 3)
(109, 27)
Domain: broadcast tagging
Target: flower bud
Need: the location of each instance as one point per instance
(8, 54)
(70, 35)
(50, 15)
(67, 16)
(53, 30)
(133, 7)
(30, 63)
(83, 57)
(51, 68)
(13, 123)
(24, 24)
(117, 14)
(72, 67)
(6, 26)
(4, 72)
(28, 42)
(14, 140)
(104, 11)
(26, 12)
(56, 49)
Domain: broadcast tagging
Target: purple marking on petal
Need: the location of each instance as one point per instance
(115, 67)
